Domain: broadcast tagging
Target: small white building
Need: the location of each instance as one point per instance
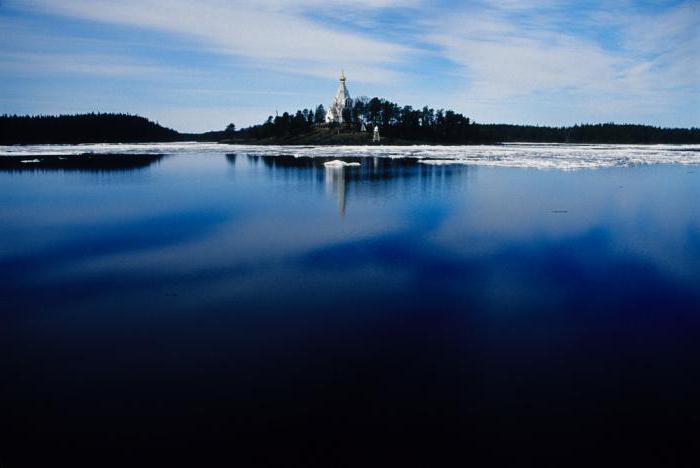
(341, 102)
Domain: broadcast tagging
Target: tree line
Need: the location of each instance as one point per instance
(405, 122)
(448, 127)
(424, 125)
(590, 133)
(82, 128)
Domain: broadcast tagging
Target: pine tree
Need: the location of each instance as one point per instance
(320, 114)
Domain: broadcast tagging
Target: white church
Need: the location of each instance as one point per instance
(341, 101)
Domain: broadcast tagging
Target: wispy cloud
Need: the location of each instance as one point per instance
(544, 62)
(30, 64)
(273, 33)
(526, 49)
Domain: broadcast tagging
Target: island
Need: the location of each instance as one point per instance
(347, 121)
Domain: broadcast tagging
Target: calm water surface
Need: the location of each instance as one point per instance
(249, 310)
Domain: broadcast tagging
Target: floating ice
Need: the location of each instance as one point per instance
(30, 161)
(523, 155)
(440, 162)
(113, 148)
(339, 163)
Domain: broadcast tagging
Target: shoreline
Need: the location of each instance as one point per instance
(385, 142)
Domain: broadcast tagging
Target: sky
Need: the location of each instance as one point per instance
(197, 66)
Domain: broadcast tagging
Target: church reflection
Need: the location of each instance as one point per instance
(335, 183)
(375, 177)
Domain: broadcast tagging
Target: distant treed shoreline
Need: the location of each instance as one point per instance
(398, 125)
(82, 128)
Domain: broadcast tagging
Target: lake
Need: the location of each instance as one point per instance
(529, 305)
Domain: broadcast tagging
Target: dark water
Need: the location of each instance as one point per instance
(212, 310)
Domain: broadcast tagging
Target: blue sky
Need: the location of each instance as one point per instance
(197, 66)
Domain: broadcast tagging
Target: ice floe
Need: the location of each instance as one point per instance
(440, 162)
(520, 155)
(339, 163)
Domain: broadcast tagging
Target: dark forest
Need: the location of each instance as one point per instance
(402, 123)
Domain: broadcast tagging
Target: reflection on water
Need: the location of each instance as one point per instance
(80, 162)
(335, 182)
(217, 304)
(373, 175)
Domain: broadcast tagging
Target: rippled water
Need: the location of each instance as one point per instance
(250, 306)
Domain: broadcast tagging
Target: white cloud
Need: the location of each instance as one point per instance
(265, 31)
(545, 62)
(504, 56)
(31, 63)
(521, 65)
